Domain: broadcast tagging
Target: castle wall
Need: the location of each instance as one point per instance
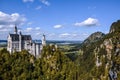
(37, 49)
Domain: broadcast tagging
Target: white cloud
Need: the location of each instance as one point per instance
(45, 2)
(8, 21)
(1, 27)
(29, 29)
(3, 30)
(74, 35)
(28, 0)
(57, 26)
(37, 28)
(15, 18)
(35, 32)
(88, 22)
(38, 7)
(69, 35)
(64, 35)
(38, 33)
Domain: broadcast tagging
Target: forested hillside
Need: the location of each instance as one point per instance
(52, 65)
(101, 58)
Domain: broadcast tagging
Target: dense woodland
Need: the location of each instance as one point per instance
(52, 65)
(78, 62)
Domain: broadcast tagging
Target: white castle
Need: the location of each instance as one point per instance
(18, 42)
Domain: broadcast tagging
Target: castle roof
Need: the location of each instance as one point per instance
(15, 37)
(26, 37)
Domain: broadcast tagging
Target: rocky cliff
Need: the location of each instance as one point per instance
(115, 27)
(103, 54)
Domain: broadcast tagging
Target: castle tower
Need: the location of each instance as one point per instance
(20, 41)
(43, 40)
(15, 29)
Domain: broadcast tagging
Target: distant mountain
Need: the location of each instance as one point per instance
(3, 40)
(63, 42)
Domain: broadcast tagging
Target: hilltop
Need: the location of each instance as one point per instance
(94, 37)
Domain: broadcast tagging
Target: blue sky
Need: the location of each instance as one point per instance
(58, 19)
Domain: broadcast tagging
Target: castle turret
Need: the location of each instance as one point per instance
(20, 41)
(15, 30)
(43, 40)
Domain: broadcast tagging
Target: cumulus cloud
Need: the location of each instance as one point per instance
(9, 20)
(88, 22)
(64, 35)
(28, 0)
(31, 30)
(69, 35)
(45, 2)
(57, 26)
(14, 18)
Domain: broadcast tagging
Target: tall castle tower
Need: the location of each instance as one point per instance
(15, 30)
(43, 40)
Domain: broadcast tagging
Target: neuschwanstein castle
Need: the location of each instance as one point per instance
(19, 42)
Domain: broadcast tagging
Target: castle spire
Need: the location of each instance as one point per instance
(43, 40)
(15, 29)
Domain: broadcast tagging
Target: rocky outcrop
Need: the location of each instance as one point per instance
(115, 27)
(94, 37)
